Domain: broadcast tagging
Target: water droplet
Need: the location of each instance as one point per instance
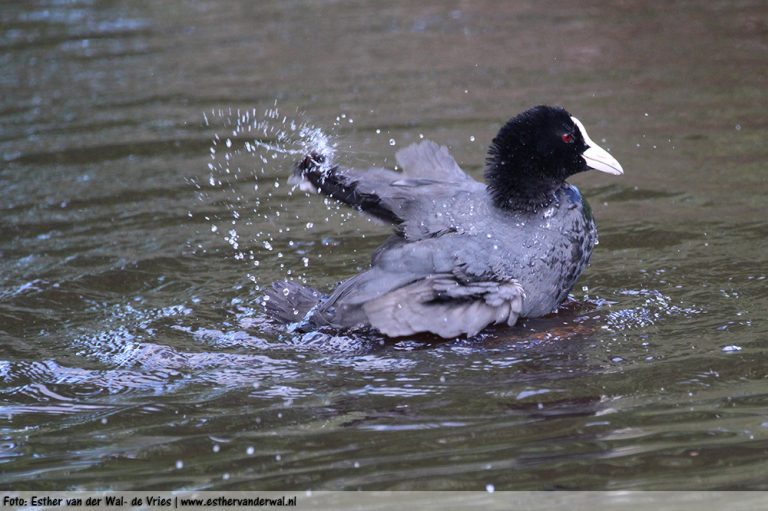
(472, 138)
(392, 141)
(250, 450)
(490, 488)
(731, 348)
(179, 464)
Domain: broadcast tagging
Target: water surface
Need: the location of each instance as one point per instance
(133, 354)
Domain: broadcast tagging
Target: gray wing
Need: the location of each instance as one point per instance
(433, 285)
(427, 160)
(429, 174)
(442, 305)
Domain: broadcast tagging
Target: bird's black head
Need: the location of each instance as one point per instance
(535, 152)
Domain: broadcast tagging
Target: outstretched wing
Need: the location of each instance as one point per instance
(429, 172)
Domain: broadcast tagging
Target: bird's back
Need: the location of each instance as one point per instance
(545, 251)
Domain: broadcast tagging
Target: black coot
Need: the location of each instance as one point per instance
(464, 254)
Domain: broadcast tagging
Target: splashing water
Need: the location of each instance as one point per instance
(250, 158)
(654, 307)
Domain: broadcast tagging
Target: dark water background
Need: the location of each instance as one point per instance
(132, 355)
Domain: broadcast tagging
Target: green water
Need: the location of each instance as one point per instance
(132, 354)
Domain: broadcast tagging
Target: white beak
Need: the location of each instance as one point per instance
(596, 157)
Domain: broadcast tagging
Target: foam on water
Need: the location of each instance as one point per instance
(654, 307)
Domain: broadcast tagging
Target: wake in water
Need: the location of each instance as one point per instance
(135, 362)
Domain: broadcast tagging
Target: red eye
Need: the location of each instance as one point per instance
(567, 138)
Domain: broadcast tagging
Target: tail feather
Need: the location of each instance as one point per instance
(289, 302)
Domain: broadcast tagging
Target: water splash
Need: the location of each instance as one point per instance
(655, 307)
(252, 157)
